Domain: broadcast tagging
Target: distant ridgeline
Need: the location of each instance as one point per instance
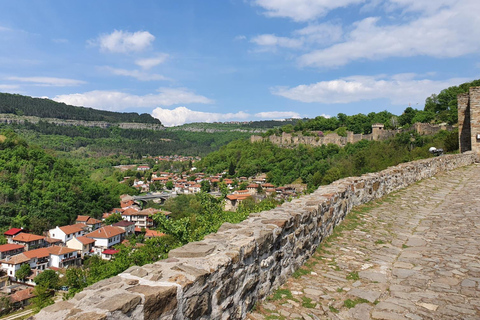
(378, 133)
(16, 108)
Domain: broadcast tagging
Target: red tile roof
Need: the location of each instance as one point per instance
(16, 259)
(105, 232)
(37, 253)
(85, 240)
(22, 295)
(10, 247)
(12, 231)
(82, 218)
(74, 228)
(153, 233)
(27, 237)
(56, 250)
(110, 251)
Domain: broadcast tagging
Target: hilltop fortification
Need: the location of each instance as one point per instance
(378, 133)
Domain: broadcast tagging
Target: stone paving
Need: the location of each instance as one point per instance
(412, 255)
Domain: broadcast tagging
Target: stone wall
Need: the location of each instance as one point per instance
(224, 275)
(11, 118)
(288, 139)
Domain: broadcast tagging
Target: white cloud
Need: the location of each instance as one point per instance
(123, 41)
(181, 115)
(399, 89)
(139, 75)
(272, 41)
(277, 115)
(8, 87)
(48, 81)
(449, 32)
(302, 10)
(149, 63)
(117, 101)
(240, 38)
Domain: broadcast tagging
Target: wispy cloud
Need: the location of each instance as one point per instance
(302, 10)
(8, 87)
(48, 81)
(272, 41)
(117, 101)
(123, 41)
(149, 63)
(139, 75)
(399, 89)
(277, 115)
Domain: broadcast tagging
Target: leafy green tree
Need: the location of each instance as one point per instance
(43, 297)
(169, 185)
(205, 186)
(48, 279)
(113, 218)
(23, 272)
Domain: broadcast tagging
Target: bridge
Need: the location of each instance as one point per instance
(411, 255)
(154, 196)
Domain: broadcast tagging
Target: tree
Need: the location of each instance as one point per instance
(169, 185)
(43, 297)
(48, 279)
(23, 272)
(113, 218)
(205, 186)
(231, 169)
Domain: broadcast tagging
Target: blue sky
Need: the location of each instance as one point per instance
(190, 61)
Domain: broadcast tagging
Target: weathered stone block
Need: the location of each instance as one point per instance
(158, 300)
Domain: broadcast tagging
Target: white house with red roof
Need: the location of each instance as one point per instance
(105, 237)
(66, 233)
(91, 223)
(12, 264)
(63, 257)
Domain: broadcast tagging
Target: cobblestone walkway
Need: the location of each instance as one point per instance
(412, 255)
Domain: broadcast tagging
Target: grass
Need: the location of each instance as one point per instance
(307, 303)
(333, 309)
(379, 242)
(404, 246)
(352, 303)
(353, 276)
(301, 272)
(339, 289)
(281, 294)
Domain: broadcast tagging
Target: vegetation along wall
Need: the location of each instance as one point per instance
(224, 275)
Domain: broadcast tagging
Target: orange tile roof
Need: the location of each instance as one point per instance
(82, 218)
(22, 295)
(85, 240)
(232, 197)
(129, 212)
(105, 232)
(74, 228)
(56, 250)
(17, 259)
(153, 233)
(27, 237)
(10, 246)
(37, 253)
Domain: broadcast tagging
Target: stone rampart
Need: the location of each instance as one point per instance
(289, 140)
(11, 118)
(224, 275)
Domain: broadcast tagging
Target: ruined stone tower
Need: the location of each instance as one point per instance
(469, 120)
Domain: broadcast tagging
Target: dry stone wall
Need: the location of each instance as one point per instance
(224, 275)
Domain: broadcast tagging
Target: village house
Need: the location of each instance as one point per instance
(29, 241)
(41, 257)
(21, 298)
(9, 234)
(66, 233)
(108, 254)
(143, 168)
(105, 237)
(63, 257)
(252, 188)
(12, 264)
(232, 201)
(83, 245)
(91, 223)
(10, 249)
(127, 226)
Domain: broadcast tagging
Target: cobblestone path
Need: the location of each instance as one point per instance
(412, 255)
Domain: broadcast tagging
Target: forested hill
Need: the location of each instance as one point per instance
(45, 108)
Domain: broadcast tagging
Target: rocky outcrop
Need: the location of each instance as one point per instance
(11, 118)
(224, 275)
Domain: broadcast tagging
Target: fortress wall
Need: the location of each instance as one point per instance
(224, 275)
